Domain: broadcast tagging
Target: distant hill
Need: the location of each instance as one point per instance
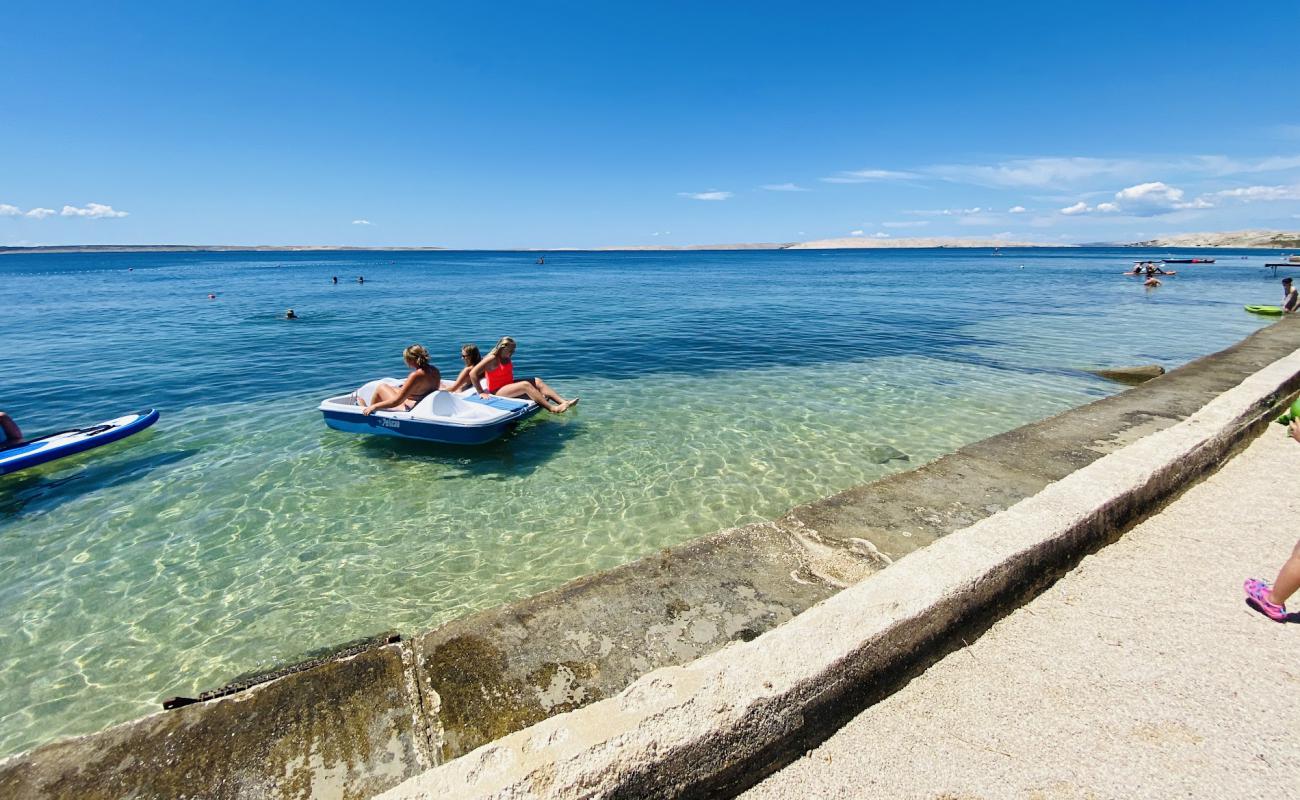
(1278, 239)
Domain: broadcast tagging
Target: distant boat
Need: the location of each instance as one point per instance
(1187, 260)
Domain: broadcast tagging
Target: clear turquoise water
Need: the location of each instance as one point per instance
(718, 389)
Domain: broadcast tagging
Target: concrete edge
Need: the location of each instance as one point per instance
(693, 729)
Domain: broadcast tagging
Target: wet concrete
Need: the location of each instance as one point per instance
(344, 730)
(1131, 375)
(479, 678)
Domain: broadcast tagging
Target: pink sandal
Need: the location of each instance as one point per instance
(1257, 596)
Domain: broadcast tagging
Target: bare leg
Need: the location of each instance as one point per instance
(554, 395)
(526, 389)
(13, 434)
(383, 393)
(1288, 578)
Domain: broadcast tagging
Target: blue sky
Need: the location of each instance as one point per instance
(582, 124)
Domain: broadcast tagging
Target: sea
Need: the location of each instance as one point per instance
(718, 388)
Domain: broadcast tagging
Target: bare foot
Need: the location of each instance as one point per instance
(566, 405)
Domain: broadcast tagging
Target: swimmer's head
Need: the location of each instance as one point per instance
(470, 353)
(416, 355)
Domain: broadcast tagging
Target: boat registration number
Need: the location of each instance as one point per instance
(390, 423)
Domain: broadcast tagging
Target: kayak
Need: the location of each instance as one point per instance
(1187, 260)
(1154, 275)
(53, 446)
(1271, 311)
(461, 418)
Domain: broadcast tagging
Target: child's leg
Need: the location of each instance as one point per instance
(1288, 578)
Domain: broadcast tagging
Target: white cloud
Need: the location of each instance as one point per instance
(916, 223)
(1034, 171)
(880, 235)
(948, 212)
(1251, 194)
(362, 222)
(93, 210)
(7, 210)
(857, 233)
(712, 194)
(1149, 199)
(1224, 165)
(784, 187)
(868, 175)
(1016, 210)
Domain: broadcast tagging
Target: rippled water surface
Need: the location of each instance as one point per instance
(717, 388)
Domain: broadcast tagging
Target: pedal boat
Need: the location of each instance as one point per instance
(462, 418)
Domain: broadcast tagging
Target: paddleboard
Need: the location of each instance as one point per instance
(1272, 311)
(75, 440)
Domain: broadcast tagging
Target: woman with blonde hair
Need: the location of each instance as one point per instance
(423, 381)
(497, 370)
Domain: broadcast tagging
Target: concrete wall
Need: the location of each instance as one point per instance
(357, 726)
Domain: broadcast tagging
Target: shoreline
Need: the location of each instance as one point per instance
(397, 710)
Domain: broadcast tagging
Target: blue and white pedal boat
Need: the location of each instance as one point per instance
(462, 418)
(53, 446)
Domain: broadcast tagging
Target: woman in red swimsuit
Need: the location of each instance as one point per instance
(497, 371)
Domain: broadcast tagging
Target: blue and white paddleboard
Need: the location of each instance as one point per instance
(76, 440)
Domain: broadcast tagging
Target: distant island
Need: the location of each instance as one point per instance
(1235, 239)
(1268, 239)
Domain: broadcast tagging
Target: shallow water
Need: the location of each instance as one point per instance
(718, 388)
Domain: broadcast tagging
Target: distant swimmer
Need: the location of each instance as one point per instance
(212, 296)
(541, 261)
(1151, 282)
(360, 279)
(290, 315)
(336, 279)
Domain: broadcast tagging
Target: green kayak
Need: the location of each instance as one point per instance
(1272, 311)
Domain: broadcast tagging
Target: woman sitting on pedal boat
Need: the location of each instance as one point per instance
(423, 381)
(497, 370)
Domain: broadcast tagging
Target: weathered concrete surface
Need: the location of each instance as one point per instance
(342, 730)
(482, 677)
(1131, 375)
(509, 667)
(1141, 673)
(704, 727)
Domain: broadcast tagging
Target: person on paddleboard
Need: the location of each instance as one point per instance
(13, 434)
